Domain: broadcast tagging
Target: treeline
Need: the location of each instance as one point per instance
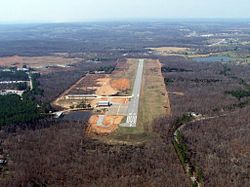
(106, 69)
(15, 86)
(168, 69)
(37, 90)
(13, 76)
(237, 93)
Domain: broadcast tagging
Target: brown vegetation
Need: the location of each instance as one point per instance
(126, 69)
(219, 146)
(55, 83)
(39, 62)
(169, 49)
(120, 84)
(104, 87)
(63, 156)
(119, 100)
(154, 101)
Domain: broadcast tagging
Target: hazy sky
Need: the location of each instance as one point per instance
(84, 10)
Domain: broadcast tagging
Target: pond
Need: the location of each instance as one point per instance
(82, 116)
(213, 59)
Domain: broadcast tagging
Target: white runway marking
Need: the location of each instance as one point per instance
(134, 102)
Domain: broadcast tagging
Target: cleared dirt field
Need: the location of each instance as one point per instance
(104, 87)
(110, 124)
(120, 84)
(100, 84)
(119, 100)
(86, 85)
(40, 62)
(126, 70)
(120, 80)
(154, 101)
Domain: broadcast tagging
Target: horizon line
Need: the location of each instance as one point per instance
(125, 20)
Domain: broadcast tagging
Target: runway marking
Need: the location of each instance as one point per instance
(133, 105)
(118, 110)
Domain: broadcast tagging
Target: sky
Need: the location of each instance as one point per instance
(94, 10)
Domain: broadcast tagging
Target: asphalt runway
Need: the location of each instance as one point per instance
(133, 105)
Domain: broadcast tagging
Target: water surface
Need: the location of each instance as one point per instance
(213, 59)
(82, 116)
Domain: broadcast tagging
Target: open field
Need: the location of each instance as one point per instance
(39, 62)
(154, 102)
(121, 84)
(239, 58)
(170, 49)
(166, 51)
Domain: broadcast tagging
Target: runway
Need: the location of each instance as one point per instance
(133, 105)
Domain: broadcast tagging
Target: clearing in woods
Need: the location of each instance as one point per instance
(104, 87)
(126, 71)
(119, 82)
(40, 63)
(109, 125)
(165, 51)
(154, 103)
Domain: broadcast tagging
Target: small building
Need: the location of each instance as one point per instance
(99, 72)
(195, 115)
(104, 104)
(6, 92)
(80, 96)
(23, 69)
(6, 70)
(58, 114)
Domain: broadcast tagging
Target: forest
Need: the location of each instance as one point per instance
(13, 76)
(62, 155)
(15, 110)
(216, 145)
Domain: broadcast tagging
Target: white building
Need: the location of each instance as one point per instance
(104, 104)
(6, 92)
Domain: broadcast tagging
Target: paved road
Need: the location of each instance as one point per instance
(117, 109)
(31, 82)
(100, 120)
(134, 102)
